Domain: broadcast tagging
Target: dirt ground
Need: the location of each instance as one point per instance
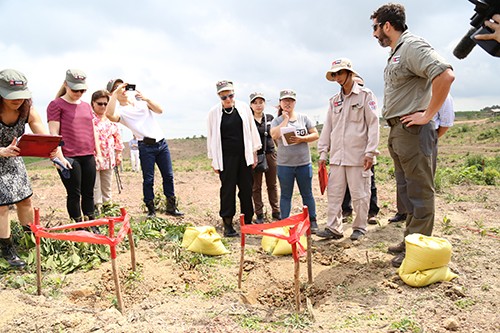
(355, 289)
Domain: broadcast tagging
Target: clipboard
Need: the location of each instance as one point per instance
(38, 145)
(286, 134)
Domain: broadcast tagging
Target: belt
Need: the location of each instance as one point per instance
(150, 141)
(396, 120)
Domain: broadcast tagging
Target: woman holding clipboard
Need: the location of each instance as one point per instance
(15, 189)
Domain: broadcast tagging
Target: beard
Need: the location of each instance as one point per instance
(383, 39)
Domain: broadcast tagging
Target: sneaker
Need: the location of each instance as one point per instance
(356, 235)
(276, 216)
(398, 218)
(398, 248)
(259, 219)
(398, 260)
(372, 219)
(328, 234)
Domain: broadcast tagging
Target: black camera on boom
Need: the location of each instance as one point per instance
(485, 9)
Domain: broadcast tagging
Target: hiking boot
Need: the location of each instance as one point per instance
(172, 207)
(328, 234)
(314, 225)
(372, 219)
(398, 260)
(398, 248)
(356, 235)
(228, 227)
(276, 216)
(259, 219)
(9, 253)
(151, 209)
(398, 218)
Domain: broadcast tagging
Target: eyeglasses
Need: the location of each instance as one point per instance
(79, 91)
(226, 97)
(376, 25)
(101, 103)
(340, 72)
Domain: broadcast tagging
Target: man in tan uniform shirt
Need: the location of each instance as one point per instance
(350, 135)
(417, 81)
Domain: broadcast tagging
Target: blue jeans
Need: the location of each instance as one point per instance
(149, 155)
(287, 176)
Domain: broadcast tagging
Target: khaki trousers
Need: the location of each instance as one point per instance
(102, 186)
(359, 182)
(412, 149)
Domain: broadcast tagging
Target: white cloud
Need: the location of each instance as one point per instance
(176, 51)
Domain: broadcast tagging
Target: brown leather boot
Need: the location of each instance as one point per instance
(398, 248)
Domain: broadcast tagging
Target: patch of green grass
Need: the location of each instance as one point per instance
(295, 321)
(250, 322)
(406, 325)
(465, 303)
(446, 226)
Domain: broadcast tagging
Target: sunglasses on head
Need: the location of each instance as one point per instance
(79, 91)
(226, 97)
(101, 103)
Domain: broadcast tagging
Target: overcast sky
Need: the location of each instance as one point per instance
(175, 51)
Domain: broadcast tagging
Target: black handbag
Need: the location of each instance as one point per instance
(261, 158)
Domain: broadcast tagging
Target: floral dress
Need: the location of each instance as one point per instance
(111, 142)
(14, 183)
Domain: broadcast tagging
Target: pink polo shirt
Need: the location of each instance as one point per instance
(76, 128)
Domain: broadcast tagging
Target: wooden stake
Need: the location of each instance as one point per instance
(117, 286)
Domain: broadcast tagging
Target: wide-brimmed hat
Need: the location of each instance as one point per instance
(111, 84)
(256, 95)
(288, 93)
(13, 85)
(339, 64)
(75, 79)
(224, 85)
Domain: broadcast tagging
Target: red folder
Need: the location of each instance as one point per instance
(38, 145)
(323, 178)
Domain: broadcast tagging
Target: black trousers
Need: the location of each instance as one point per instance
(236, 174)
(80, 187)
(374, 209)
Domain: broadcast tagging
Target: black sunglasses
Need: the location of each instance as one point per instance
(340, 72)
(376, 25)
(101, 103)
(226, 97)
(79, 91)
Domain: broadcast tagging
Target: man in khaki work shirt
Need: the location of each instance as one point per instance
(417, 81)
(351, 134)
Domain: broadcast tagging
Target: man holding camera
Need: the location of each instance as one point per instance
(494, 25)
(137, 112)
(417, 81)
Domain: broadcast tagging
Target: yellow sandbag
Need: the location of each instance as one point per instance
(284, 248)
(425, 252)
(268, 243)
(208, 242)
(427, 277)
(279, 247)
(192, 232)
